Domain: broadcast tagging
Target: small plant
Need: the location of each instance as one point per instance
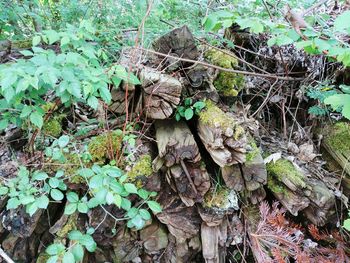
(75, 252)
(320, 93)
(340, 102)
(188, 109)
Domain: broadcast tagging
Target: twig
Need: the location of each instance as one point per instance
(221, 68)
(5, 256)
(265, 101)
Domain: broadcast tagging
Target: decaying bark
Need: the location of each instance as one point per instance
(161, 93)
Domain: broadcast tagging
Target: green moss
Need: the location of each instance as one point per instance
(339, 136)
(253, 151)
(216, 197)
(69, 226)
(283, 168)
(213, 116)
(227, 83)
(275, 186)
(143, 167)
(105, 146)
(52, 128)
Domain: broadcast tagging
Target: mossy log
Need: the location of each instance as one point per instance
(223, 138)
(161, 94)
(299, 190)
(337, 143)
(179, 154)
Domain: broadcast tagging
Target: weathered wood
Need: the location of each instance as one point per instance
(179, 153)
(118, 100)
(161, 93)
(223, 138)
(178, 42)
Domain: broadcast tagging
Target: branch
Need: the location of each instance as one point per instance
(221, 68)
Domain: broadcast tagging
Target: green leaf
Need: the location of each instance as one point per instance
(78, 252)
(86, 172)
(92, 102)
(145, 214)
(26, 53)
(199, 105)
(118, 200)
(75, 235)
(105, 94)
(55, 249)
(110, 198)
(13, 203)
(189, 114)
(65, 40)
(93, 202)
(72, 197)
(31, 208)
(3, 190)
(88, 242)
(27, 199)
(42, 202)
(37, 119)
(154, 206)
(52, 259)
(68, 257)
(83, 208)
(125, 204)
(340, 101)
(346, 224)
(63, 141)
(101, 195)
(3, 124)
(132, 212)
(138, 222)
(96, 181)
(70, 208)
(52, 36)
(56, 195)
(143, 193)
(54, 182)
(341, 23)
(36, 40)
(130, 188)
(39, 176)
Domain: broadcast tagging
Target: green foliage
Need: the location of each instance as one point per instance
(320, 93)
(340, 102)
(75, 253)
(188, 109)
(74, 75)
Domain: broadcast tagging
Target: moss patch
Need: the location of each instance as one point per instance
(213, 116)
(227, 83)
(339, 137)
(142, 168)
(216, 197)
(253, 151)
(105, 146)
(283, 168)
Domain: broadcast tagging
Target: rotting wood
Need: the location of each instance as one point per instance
(161, 93)
(179, 153)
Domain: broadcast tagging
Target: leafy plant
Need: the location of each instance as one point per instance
(320, 93)
(188, 109)
(75, 252)
(340, 102)
(74, 75)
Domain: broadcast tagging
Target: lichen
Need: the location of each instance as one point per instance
(253, 150)
(216, 197)
(70, 225)
(143, 167)
(283, 168)
(105, 146)
(339, 137)
(227, 83)
(213, 116)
